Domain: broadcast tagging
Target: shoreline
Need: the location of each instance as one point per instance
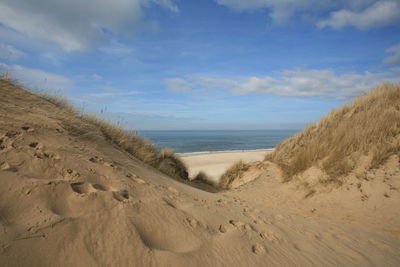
(189, 154)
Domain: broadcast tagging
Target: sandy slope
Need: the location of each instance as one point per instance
(69, 198)
(215, 164)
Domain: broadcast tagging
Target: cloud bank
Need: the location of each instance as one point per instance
(9, 52)
(75, 25)
(294, 83)
(381, 13)
(357, 13)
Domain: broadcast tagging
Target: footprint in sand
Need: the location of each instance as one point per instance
(221, 202)
(73, 199)
(237, 224)
(270, 236)
(27, 128)
(12, 134)
(40, 153)
(2, 146)
(82, 188)
(192, 222)
(135, 178)
(158, 236)
(258, 249)
(85, 188)
(225, 228)
(98, 160)
(70, 173)
(94, 159)
(34, 144)
(121, 195)
(248, 227)
(6, 143)
(7, 167)
(99, 187)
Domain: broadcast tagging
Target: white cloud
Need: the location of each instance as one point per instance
(394, 59)
(97, 77)
(362, 14)
(9, 52)
(279, 10)
(107, 97)
(75, 24)
(300, 83)
(114, 94)
(116, 49)
(165, 3)
(195, 85)
(381, 13)
(178, 85)
(36, 79)
(215, 82)
(241, 5)
(314, 83)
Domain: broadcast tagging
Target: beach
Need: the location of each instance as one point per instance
(215, 164)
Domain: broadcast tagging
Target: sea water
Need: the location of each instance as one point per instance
(198, 142)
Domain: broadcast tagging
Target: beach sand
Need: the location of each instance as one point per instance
(215, 164)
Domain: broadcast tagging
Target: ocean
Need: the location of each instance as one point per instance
(198, 142)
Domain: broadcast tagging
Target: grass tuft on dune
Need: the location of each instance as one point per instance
(369, 126)
(204, 178)
(170, 164)
(234, 172)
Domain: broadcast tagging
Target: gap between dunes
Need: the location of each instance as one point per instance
(215, 164)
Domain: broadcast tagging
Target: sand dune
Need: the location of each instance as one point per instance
(68, 197)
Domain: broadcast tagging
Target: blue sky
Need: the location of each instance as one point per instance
(211, 64)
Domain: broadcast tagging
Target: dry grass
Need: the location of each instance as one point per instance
(165, 161)
(53, 98)
(234, 172)
(203, 178)
(58, 100)
(135, 145)
(6, 76)
(370, 125)
(170, 164)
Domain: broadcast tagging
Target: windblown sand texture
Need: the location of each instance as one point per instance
(68, 197)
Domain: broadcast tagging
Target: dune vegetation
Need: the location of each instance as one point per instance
(141, 148)
(204, 178)
(369, 127)
(234, 172)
